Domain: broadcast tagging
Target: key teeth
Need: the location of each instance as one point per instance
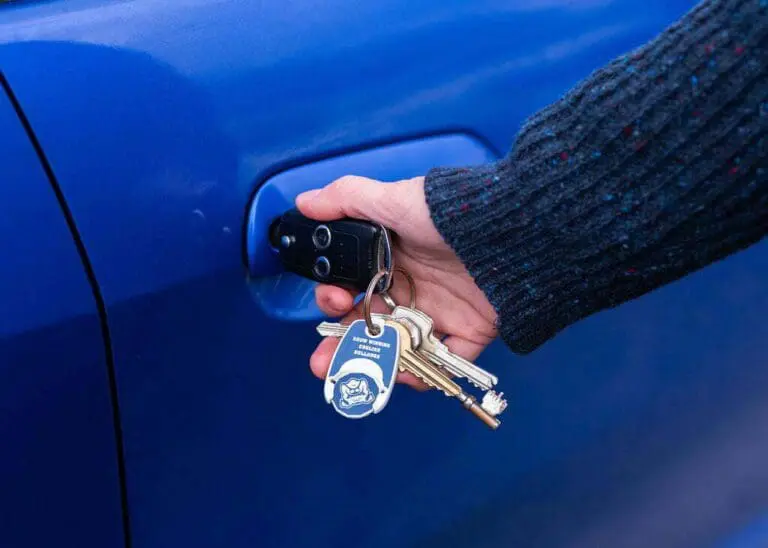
(476, 384)
(493, 403)
(425, 381)
(471, 381)
(457, 372)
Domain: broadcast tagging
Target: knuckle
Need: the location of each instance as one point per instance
(344, 187)
(349, 192)
(388, 204)
(344, 184)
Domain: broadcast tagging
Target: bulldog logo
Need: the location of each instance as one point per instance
(358, 383)
(354, 391)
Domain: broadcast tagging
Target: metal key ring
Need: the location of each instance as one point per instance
(412, 286)
(373, 328)
(389, 301)
(388, 260)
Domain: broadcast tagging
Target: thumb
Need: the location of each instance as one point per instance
(351, 196)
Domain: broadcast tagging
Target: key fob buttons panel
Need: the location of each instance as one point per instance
(345, 252)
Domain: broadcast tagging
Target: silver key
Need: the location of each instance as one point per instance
(338, 329)
(332, 329)
(439, 353)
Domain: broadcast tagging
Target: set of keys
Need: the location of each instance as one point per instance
(364, 368)
(420, 352)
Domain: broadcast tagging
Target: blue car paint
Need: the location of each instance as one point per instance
(754, 534)
(58, 466)
(642, 426)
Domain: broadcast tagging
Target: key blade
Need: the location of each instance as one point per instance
(423, 369)
(338, 329)
(331, 333)
(464, 368)
(433, 377)
(331, 329)
(429, 374)
(439, 354)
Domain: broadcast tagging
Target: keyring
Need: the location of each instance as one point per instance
(373, 328)
(389, 301)
(411, 284)
(387, 262)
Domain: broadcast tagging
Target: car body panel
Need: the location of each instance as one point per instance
(161, 120)
(59, 481)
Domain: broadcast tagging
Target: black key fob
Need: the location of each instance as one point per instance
(345, 252)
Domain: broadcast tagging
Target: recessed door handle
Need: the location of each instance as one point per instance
(285, 295)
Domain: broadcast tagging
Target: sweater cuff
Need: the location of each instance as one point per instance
(513, 254)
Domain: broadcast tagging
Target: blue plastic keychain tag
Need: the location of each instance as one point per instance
(363, 370)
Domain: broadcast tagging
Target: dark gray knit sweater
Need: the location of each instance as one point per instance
(652, 168)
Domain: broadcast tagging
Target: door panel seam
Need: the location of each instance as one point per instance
(98, 297)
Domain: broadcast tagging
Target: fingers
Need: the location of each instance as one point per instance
(351, 196)
(466, 349)
(320, 360)
(334, 301)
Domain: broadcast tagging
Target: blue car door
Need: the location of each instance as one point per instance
(178, 130)
(59, 473)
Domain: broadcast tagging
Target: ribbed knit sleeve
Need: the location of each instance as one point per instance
(651, 168)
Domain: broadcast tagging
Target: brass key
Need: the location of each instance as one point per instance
(434, 377)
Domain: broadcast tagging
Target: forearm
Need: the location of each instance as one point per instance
(648, 170)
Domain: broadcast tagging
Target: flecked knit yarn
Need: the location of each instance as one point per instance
(651, 168)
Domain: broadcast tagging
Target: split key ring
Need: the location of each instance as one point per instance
(373, 328)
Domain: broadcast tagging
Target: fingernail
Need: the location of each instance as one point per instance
(307, 196)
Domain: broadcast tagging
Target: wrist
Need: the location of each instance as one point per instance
(507, 246)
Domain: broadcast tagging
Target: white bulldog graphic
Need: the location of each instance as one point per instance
(355, 391)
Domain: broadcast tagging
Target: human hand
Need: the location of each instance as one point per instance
(444, 289)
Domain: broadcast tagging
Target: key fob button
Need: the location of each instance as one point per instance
(322, 267)
(286, 241)
(322, 237)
